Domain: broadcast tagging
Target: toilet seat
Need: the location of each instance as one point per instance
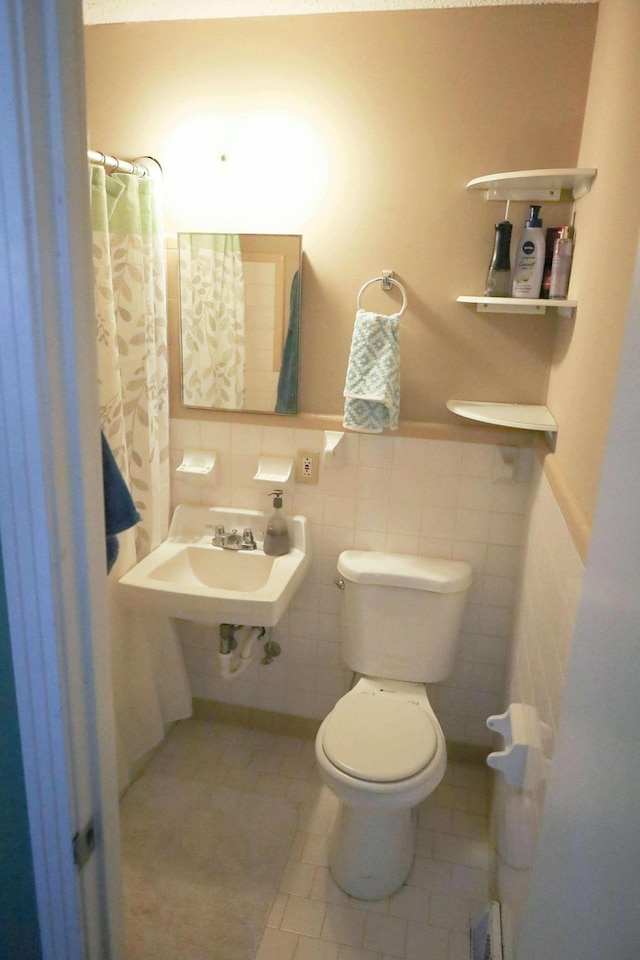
(379, 737)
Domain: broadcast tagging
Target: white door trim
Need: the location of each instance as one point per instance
(51, 506)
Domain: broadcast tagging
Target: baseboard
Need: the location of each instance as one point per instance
(255, 719)
(467, 753)
(306, 728)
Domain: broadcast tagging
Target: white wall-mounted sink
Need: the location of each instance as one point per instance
(189, 578)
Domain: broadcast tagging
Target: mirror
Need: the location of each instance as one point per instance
(239, 320)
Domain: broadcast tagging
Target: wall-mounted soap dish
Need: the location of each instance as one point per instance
(199, 462)
(274, 469)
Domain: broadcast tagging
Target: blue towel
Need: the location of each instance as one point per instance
(372, 388)
(287, 401)
(119, 509)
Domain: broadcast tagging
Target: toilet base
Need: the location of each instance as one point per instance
(371, 851)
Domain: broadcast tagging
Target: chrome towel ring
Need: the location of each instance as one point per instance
(386, 279)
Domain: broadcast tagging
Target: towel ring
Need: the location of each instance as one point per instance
(386, 280)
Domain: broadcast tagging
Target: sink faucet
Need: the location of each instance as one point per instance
(233, 540)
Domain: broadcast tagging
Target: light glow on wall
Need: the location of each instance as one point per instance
(256, 171)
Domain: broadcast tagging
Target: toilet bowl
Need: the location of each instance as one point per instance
(381, 750)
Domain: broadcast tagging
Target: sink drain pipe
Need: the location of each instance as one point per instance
(233, 636)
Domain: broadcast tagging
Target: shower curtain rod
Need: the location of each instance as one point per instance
(145, 168)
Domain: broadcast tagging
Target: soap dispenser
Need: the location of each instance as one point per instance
(276, 536)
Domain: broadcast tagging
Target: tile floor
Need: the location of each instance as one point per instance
(299, 913)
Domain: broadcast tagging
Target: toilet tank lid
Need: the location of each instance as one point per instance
(399, 570)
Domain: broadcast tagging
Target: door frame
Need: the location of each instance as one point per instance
(51, 500)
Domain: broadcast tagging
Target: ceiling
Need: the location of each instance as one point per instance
(118, 11)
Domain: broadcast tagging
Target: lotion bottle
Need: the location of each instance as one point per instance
(529, 260)
(276, 536)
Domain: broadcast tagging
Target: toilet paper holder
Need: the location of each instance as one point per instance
(522, 762)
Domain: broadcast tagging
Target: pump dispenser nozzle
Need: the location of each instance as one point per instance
(534, 220)
(277, 495)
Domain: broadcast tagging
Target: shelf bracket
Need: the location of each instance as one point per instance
(537, 308)
(530, 195)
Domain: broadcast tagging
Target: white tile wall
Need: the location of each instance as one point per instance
(432, 497)
(544, 618)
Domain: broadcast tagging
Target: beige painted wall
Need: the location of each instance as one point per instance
(586, 357)
(404, 108)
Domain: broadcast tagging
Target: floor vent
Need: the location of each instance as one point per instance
(485, 935)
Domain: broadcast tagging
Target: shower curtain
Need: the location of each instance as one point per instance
(150, 682)
(212, 320)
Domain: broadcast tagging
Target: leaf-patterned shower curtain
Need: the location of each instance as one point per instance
(128, 256)
(150, 685)
(212, 320)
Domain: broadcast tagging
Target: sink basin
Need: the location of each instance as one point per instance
(189, 578)
(195, 566)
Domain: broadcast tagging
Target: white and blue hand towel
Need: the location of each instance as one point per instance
(372, 388)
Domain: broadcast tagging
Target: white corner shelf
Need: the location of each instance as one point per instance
(529, 185)
(520, 305)
(522, 416)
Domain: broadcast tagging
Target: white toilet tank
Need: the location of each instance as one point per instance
(401, 615)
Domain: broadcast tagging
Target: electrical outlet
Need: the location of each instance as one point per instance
(306, 467)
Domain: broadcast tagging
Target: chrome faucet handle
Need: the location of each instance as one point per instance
(219, 536)
(248, 539)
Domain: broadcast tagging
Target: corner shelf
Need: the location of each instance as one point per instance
(529, 185)
(522, 416)
(520, 305)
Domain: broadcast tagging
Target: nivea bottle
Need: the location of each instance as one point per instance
(529, 258)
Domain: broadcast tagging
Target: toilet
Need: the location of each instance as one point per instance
(381, 750)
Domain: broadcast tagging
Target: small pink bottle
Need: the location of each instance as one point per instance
(561, 265)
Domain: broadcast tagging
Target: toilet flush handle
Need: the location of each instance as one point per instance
(339, 582)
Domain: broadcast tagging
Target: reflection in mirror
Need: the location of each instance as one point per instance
(239, 320)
